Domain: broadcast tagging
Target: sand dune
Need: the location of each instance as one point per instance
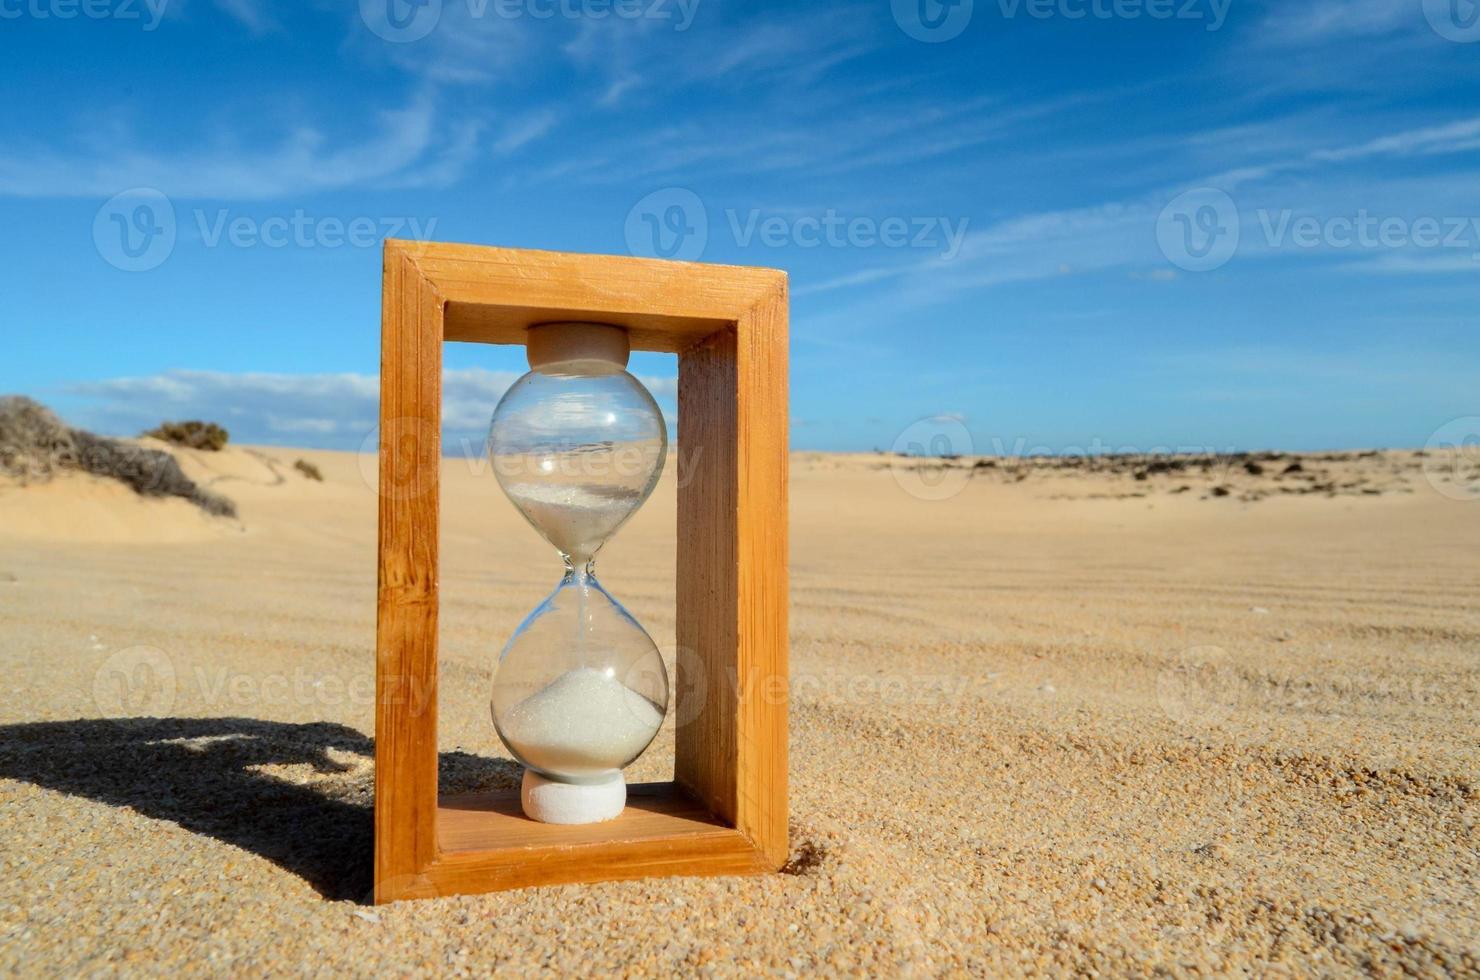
(1063, 719)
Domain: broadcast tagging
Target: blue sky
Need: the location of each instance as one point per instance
(1059, 223)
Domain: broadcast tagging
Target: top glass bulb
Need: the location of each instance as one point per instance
(577, 445)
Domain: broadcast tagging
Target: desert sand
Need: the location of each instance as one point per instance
(1063, 720)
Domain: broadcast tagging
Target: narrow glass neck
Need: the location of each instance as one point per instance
(577, 571)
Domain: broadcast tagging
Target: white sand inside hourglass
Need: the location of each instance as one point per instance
(576, 518)
(584, 724)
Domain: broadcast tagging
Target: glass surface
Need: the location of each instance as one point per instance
(577, 448)
(580, 689)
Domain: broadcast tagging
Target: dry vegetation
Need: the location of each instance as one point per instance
(35, 445)
(192, 435)
(1245, 477)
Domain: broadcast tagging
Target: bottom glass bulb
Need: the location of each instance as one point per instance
(580, 689)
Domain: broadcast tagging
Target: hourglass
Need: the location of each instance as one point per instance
(579, 690)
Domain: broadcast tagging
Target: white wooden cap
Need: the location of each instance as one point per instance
(558, 343)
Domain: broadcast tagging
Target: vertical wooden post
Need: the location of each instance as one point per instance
(706, 746)
(406, 609)
(762, 589)
(732, 572)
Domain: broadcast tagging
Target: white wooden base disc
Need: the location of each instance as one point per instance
(549, 801)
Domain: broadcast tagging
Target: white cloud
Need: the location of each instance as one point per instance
(1454, 137)
(404, 146)
(1371, 367)
(1122, 234)
(524, 130)
(815, 138)
(255, 15)
(678, 50)
(618, 88)
(465, 48)
(338, 411)
(251, 14)
(1402, 264)
(1031, 247)
(1307, 21)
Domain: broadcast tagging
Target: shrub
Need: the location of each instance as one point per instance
(151, 472)
(309, 470)
(34, 443)
(193, 434)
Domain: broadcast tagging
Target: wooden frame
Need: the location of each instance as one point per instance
(725, 812)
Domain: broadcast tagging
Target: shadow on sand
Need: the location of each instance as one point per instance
(204, 774)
